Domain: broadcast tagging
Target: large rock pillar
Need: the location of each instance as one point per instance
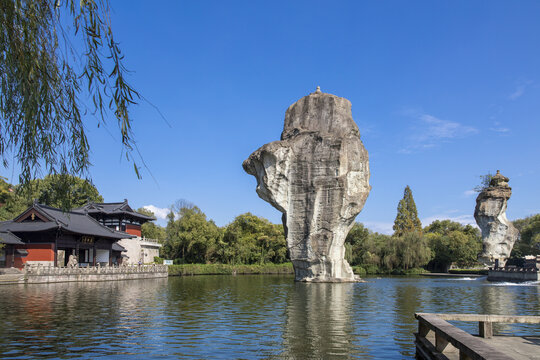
(317, 175)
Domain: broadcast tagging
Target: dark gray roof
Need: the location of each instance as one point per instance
(74, 222)
(80, 223)
(117, 208)
(117, 247)
(8, 238)
(27, 226)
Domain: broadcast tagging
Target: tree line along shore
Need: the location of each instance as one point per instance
(253, 245)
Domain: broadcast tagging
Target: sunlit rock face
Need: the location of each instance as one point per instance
(498, 234)
(318, 177)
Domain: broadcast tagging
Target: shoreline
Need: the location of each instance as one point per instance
(451, 275)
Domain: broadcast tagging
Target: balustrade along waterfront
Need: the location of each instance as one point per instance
(248, 317)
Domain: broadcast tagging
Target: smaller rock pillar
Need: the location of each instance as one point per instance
(498, 234)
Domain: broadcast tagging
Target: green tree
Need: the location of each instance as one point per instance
(47, 73)
(65, 191)
(250, 239)
(150, 229)
(529, 239)
(452, 242)
(383, 253)
(191, 237)
(484, 182)
(413, 250)
(407, 216)
(356, 244)
(444, 227)
(60, 191)
(5, 190)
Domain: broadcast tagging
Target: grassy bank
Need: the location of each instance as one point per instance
(224, 269)
(374, 270)
(287, 268)
(468, 271)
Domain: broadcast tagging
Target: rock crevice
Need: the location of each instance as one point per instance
(317, 175)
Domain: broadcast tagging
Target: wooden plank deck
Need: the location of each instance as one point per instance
(435, 335)
(517, 347)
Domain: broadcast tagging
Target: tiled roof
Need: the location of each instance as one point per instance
(117, 247)
(116, 208)
(70, 221)
(7, 237)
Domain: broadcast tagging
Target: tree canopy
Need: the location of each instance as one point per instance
(250, 239)
(150, 229)
(378, 253)
(60, 191)
(54, 55)
(529, 236)
(452, 242)
(191, 238)
(407, 216)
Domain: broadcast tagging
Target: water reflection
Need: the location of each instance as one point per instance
(72, 319)
(248, 317)
(318, 321)
(498, 300)
(226, 316)
(407, 302)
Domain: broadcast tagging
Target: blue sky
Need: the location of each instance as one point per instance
(442, 92)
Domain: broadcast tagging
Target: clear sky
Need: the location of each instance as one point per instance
(442, 91)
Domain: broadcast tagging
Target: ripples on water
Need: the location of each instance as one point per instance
(243, 317)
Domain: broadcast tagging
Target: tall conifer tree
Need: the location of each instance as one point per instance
(407, 217)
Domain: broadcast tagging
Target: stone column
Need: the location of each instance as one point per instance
(317, 175)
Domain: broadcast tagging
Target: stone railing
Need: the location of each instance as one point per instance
(154, 242)
(514, 269)
(513, 274)
(94, 270)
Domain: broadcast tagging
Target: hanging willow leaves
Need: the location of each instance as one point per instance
(53, 54)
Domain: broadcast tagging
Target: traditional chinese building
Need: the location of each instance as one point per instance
(48, 236)
(121, 217)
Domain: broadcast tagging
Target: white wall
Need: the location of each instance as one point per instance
(139, 250)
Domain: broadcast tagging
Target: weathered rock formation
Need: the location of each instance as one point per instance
(318, 177)
(498, 234)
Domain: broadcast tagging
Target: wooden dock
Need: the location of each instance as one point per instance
(438, 339)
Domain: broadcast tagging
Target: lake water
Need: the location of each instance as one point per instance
(242, 317)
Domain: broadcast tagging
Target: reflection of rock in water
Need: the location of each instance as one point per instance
(498, 300)
(319, 324)
(407, 301)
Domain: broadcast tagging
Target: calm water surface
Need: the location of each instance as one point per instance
(242, 317)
